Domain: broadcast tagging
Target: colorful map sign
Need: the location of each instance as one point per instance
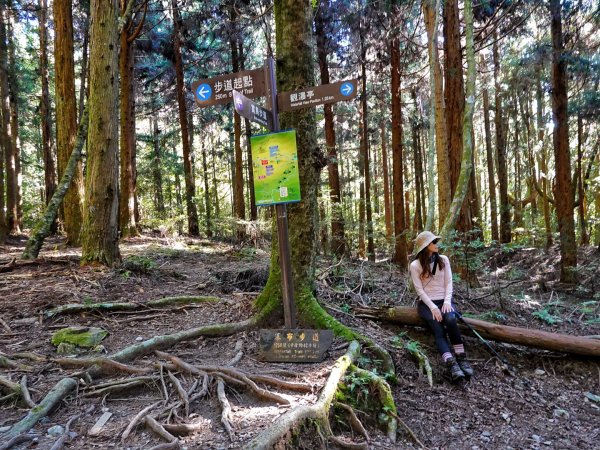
(275, 166)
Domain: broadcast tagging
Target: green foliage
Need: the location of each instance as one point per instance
(546, 316)
(489, 316)
(137, 264)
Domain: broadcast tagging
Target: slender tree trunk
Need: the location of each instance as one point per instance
(190, 189)
(14, 119)
(66, 119)
(490, 167)
(563, 195)
(386, 184)
(84, 54)
(159, 202)
(364, 147)
(542, 158)
(100, 231)
(584, 237)
(400, 256)
(418, 170)
(207, 205)
(248, 130)
(49, 166)
(238, 183)
(127, 192)
(322, 31)
(9, 156)
(505, 225)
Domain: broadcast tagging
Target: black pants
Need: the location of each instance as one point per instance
(448, 325)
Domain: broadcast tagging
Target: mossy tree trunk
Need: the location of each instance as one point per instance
(100, 232)
(66, 119)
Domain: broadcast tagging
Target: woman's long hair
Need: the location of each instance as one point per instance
(424, 258)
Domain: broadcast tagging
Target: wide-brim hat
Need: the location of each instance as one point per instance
(423, 239)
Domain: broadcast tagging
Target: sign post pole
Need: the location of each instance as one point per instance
(287, 285)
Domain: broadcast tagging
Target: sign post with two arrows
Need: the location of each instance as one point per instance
(289, 344)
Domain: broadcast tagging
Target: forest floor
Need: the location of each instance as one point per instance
(550, 402)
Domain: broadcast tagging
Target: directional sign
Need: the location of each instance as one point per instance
(317, 95)
(219, 90)
(250, 110)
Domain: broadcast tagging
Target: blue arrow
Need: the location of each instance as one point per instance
(204, 92)
(347, 88)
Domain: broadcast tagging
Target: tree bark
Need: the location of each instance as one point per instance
(100, 231)
(66, 119)
(512, 335)
(466, 165)
(505, 225)
(490, 167)
(400, 256)
(14, 119)
(563, 195)
(11, 216)
(127, 192)
(190, 189)
(581, 205)
(207, 203)
(159, 202)
(386, 184)
(323, 25)
(49, 166)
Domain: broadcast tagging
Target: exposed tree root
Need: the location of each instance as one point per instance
(408, 430)
(136, 420)
(415, 351)
(385, 397)
(159, 429)
(225, 408)
(74, 308)
(105, 365)
(125, 385)
(181, 392)
(319, 411)
(66, 437)
(52, 399)
(355, 423)
(8, 363)
(19, 439)
(25, 392)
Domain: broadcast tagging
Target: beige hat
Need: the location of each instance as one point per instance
(423, 240)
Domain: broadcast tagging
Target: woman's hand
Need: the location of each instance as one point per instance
(437, 315)
(446, 308)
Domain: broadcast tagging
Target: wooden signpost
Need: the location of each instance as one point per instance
(289, 344)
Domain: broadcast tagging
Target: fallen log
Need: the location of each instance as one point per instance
(528, 337)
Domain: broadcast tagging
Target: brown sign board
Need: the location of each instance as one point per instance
(295, 345)
(317, 95)
(251, 111)
(219, 90)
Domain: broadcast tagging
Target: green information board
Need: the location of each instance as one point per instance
(275, 166)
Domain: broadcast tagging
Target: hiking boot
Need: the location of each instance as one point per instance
(464, 365)
(455, 371)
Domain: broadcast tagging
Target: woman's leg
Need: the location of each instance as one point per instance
(438, 331)
(451, 325)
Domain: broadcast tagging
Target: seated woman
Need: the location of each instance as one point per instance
(432, 278)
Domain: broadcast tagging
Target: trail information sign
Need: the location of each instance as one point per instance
(275, 167)
(251, 111)
(219, 90)
(317, 95)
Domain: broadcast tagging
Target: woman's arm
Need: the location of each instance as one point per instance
(416, 279)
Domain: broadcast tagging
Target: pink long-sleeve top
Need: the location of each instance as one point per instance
(436, 287)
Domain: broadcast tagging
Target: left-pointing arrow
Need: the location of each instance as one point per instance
(204, 91)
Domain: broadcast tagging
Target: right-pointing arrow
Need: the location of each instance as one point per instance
(347, 88)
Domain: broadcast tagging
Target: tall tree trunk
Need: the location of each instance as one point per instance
(49, 166)
(323, 25)
(584, 237)
(490, 166)
(207, 205)
(84, 54)
(386, 184)
(66, 119)
(400, 256)
(14, 118)
(364, 148)
(100, 231)
(462, 187)
(418, 168)
(542, 158)
(431, 12)
(563, 195)
(159, 202)
(238, 183)
(127, 222)
(505, 225)
(190, 189)
(454, 93)
(12, 223)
